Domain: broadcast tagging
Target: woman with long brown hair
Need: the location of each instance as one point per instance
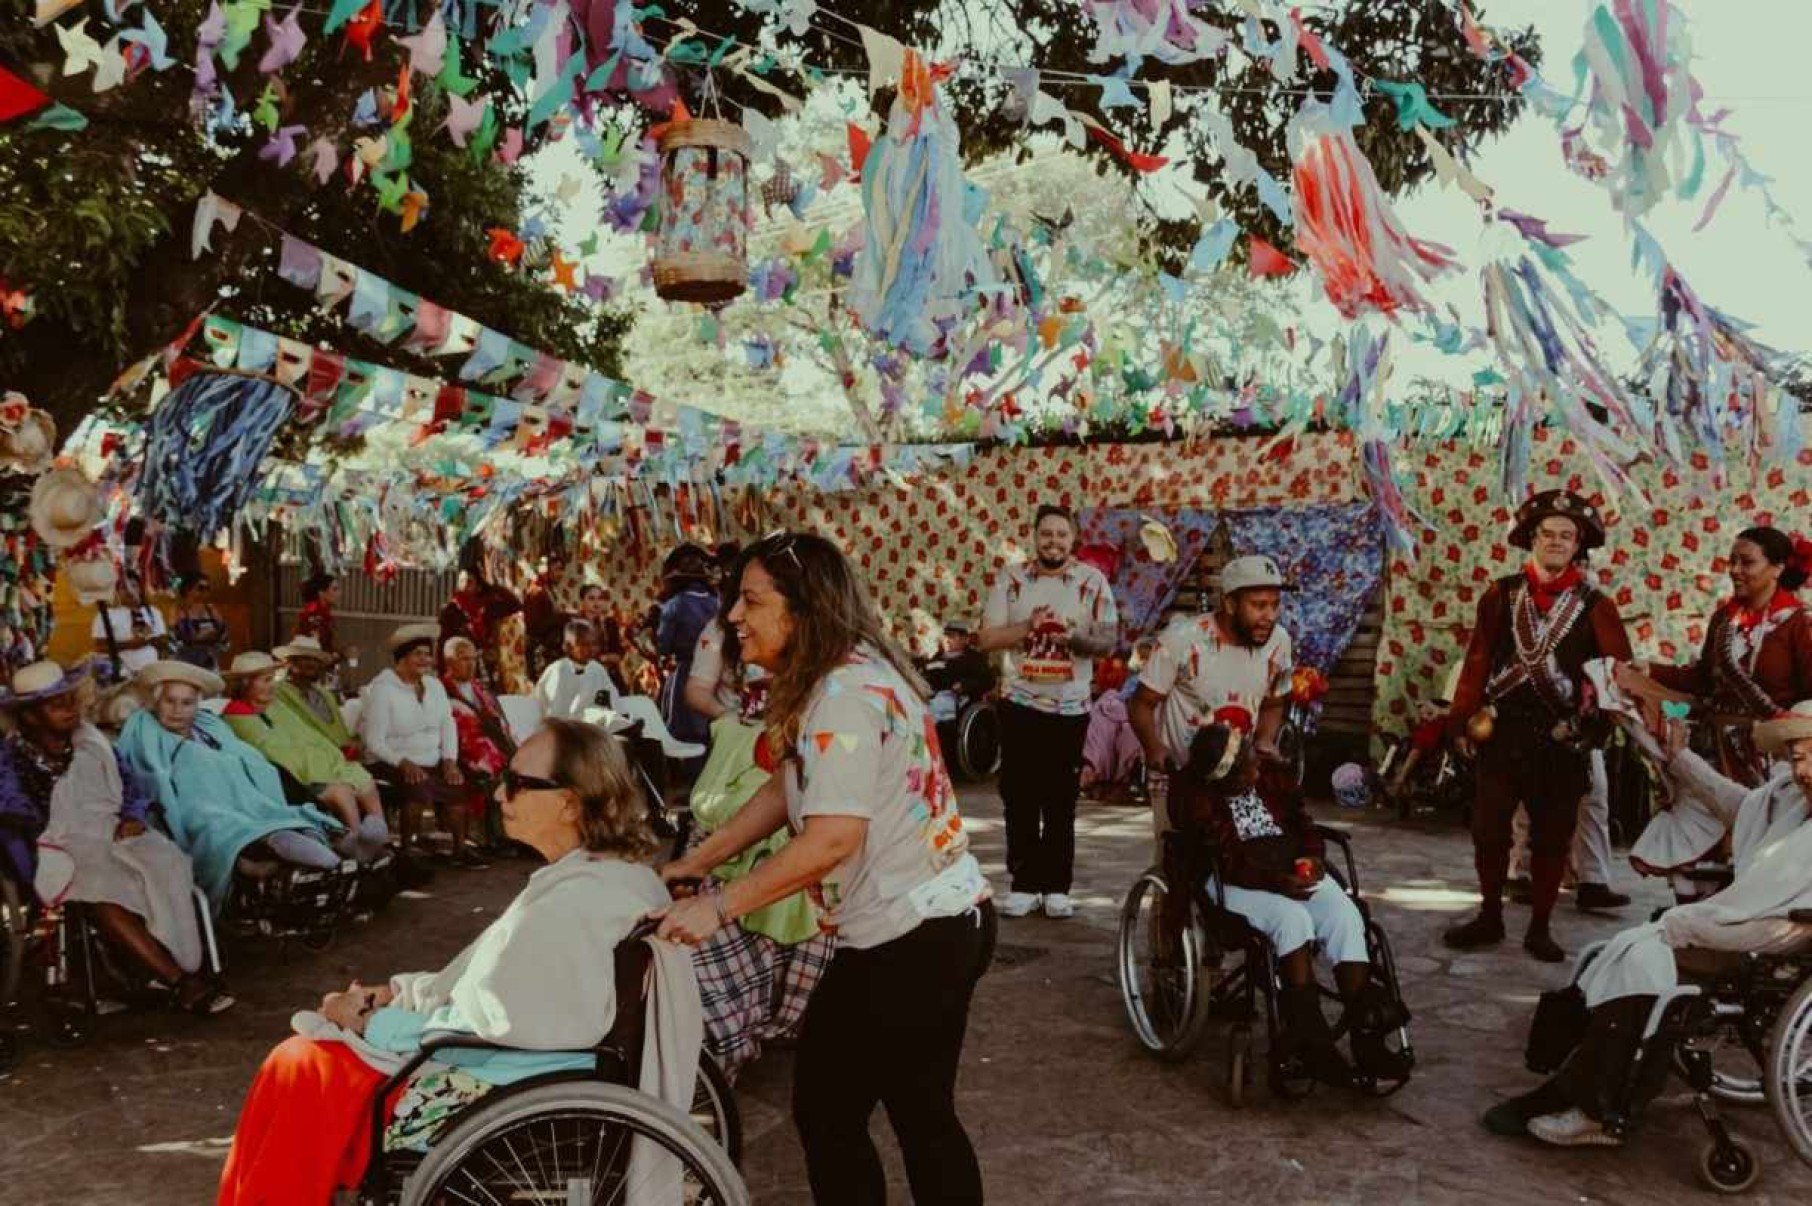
(880, 845)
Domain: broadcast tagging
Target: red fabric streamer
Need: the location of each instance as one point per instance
(17, 97)
(362, 28)
(859, 143)
(1138, 161)
(1262, 259)
(1346, 227)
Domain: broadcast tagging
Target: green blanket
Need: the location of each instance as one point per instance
(302, 749)
(729, 780)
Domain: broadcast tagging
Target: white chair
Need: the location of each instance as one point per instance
(654, 727)
(349, 712)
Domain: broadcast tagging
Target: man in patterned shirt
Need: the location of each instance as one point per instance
(1052, 615)
(1229, 667)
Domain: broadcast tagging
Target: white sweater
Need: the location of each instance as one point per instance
(397, 727)
(566, 690)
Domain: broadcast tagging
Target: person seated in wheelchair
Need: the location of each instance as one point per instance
(222, 800)
(539, 980)
(1273, 875)
(570, 685)
(1771, 837)
(958, 674)
(314, 770)
(73, 828)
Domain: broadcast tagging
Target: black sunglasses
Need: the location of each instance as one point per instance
(515, 783)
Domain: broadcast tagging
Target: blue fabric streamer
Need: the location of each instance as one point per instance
(204, 446)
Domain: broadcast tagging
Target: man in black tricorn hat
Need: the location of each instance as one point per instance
(1519, 699)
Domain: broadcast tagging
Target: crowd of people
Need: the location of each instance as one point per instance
(828, 895)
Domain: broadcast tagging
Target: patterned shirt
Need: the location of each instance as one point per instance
(1043, 673)
(868, 748)
(1206, 679)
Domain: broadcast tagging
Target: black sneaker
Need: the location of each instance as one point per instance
(1483, 930)
(467, 859)
(1598, 896)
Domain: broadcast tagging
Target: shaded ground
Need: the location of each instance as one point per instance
(1063, 1105)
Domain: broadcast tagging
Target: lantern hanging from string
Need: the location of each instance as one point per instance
(701, 250)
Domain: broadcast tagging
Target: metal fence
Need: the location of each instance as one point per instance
(368, 612)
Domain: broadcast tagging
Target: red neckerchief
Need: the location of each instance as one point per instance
(1745, 619)
(1546, 594)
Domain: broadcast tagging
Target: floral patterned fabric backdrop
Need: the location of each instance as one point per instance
(931, 549)
(1664, 561)
(1334, 555)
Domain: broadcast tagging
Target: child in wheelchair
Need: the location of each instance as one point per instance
(1272, 873)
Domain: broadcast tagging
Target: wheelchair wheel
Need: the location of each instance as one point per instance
(978, 741)
(571, 1142)
(1734, 1076)
(15, 927)
(714, 1108)
(1239, 1064)
(1161, 971)
(1730, 1167)
(1787, 1075)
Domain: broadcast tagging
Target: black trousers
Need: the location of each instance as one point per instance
(886, 1025)
(1040, 773)
(1521, 764)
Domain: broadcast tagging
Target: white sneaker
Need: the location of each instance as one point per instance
(1018, 904)
(1572, 1128)
(1058, 904)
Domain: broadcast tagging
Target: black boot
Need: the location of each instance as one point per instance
(1487, 929)
(1540, 943)
(1373, 1018)
(1307, 1037)
(1598, 896)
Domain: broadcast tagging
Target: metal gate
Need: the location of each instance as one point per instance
(368, 612)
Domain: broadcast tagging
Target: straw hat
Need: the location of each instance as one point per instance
(92, 578)
(40, 681)
(170, 671)
(30, 447)
(116, 706)
(65, 506)
(251, 664)
(1774, 736)
(1159, 544)
(413, 634)
(305, 648)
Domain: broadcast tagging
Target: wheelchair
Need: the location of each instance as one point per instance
(56, 946)
(968, 733)
(565, 1136)
(1174, 974)
(1761, 1011)
(307, 904)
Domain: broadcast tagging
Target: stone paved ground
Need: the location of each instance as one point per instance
(1063, 1105)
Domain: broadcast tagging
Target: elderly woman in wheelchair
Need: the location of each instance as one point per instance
(1246, 838)
(1614, 1032)
(527, 1005)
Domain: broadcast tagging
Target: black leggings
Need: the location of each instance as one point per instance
(886, 1025)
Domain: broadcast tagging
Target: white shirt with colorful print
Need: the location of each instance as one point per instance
(1043, 673)
(868, 748)
(748, 699)
(1207, 679)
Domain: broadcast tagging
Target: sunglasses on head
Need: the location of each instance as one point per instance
(780, 543)
(515, 783)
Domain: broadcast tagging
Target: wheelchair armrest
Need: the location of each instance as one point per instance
(1344, 840)
(1709, 873)
(455, 1040)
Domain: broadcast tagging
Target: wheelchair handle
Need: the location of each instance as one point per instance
(1800, 916)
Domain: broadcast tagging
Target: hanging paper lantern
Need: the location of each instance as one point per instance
(702, 246)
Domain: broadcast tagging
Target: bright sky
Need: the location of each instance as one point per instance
(1749, 56)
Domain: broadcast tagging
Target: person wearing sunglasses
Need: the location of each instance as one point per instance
(879, 844)
(540, 980)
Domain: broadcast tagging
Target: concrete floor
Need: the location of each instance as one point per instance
(1063, 1105)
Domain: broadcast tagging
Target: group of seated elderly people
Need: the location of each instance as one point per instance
(190, 797)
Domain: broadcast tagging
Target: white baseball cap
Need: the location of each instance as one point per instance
(1251, 573)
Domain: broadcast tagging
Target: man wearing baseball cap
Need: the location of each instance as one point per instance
(1520, 699)
(1231, 667)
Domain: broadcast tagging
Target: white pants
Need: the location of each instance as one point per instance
(1328, 916)
(1591, 858)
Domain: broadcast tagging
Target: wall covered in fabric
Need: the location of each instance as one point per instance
(930, 550)
(1664, 562)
